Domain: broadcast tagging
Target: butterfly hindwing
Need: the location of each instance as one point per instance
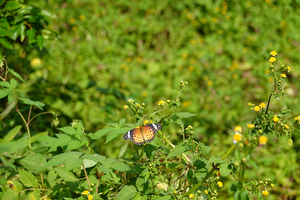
(142, 134)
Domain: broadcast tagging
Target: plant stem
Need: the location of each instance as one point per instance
(27, 127)
(208, 173)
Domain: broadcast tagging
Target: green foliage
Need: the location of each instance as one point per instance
(123, 52)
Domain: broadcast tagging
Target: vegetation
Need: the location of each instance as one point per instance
(75, 72)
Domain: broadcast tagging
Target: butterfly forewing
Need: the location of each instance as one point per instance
(142, 134)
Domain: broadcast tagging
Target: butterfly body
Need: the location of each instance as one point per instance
(143, 134)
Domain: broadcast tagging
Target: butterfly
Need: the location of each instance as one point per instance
(143, 134)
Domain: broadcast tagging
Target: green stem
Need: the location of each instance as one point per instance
(268, 104)
(208, 173)
(38, 115)
(27, 127)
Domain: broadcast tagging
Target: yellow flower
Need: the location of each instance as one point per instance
(139, 59)
(161, 103)
(250, 126)
(249, 104)
(205, 191)
(237, 137)
(283, 75)
(146, 122)
(265, 193)
(36, 62)
(130, 100)
(90, 197)
(85, 192)
(288, 68)
(275, 118)
(273, 53)
(209, 82)
(272, 59)
(257, 108)
(220, 184)
(81, 17)
(286, 126)
(128, 59)
(72, 20)
(263, 140)
(272, 185)
(125, 107)
(191, 196)
(238, 129)
(262, 105)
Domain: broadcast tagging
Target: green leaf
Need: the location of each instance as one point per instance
(95, 157)
(68, 130)
(6, 43)
(149, 149)
(122, 167)
(51, 178)
(100, 133)
(73, 163)
(14, 32)
(224, 170)
(126, 193)
(11, 134)
(5, 84)
(28, 179)
(215, 160)
(4, 93)
(114, 134)
(178, 150)
(34, 195)
(73, 144)
(13, 83)
(168, 197)
(123, 150)
(12, 5)
(2, 181)
(33, 162)
(22, 32)
(185, 114)
(89, 163)
(31, 35)
(13, 146)
(40, 41)
(205, 149)
(34, 103)
(61, 158)
(16, 74)
(10, 195)
(66, 175)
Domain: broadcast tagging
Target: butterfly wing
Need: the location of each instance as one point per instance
(135, 135)
(150, 130)
(145, 133)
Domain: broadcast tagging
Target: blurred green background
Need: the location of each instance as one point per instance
(110, 51)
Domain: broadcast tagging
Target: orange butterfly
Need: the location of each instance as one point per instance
(142, 134)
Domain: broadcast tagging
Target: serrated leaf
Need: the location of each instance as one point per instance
(61, 158)
(100, 133)
(34, 103)
(149, 149)
(123, 167)
(28, 179)
(35, 195)
(33, 162)
(51, 178)
(114, 134)
(4, 93)
(11, 134)
(13, 83)
(215, 160)
(69, 130)
(16, 74)
(6, 43)
(12, 5)
(10, 195)
(95, 157)
(73, 144)
(185, 114)
(5, 84)
(126, 193)
(224, 171)
(66, 175)
(89, 163)
(178, 150)
(73, 163)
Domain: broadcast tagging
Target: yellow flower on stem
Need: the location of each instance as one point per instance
(256, 108)
(273, 53)
(262, 105)
(220, 184)
(205, 191)
(90, 197)
(283, 75)
(250, 126)
(191, 196)
(237, 137)
(238, 129)
(288, 68)
(272, 59)
(161, 103)
(126, 107)
(85, 192)
(265, 193)
(263, 140)
(275, 118)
